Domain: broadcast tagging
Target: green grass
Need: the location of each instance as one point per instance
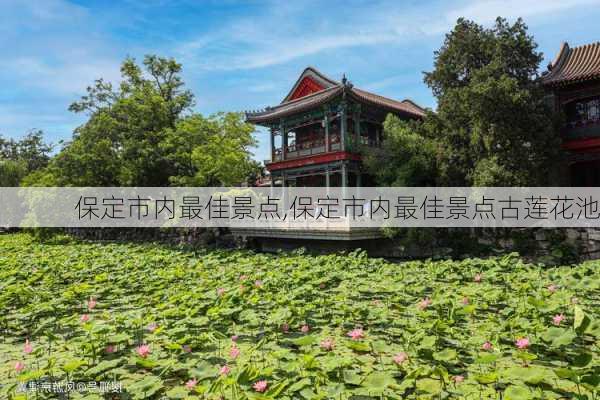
(44, 290)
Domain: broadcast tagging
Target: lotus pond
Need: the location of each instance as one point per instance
(173, 323)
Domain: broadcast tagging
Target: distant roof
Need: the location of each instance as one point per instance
(572, 65)
(331, 89)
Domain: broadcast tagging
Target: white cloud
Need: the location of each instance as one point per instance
(292, 48)
(65, 77)
(262, 87)
(17, 120)
(282, 34)
(53, 46)
(51, 51)
(487, 11)
(394, 80)
(34, 16)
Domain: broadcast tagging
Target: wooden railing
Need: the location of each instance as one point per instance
(313, 147)
(307, 148)
(581, 130)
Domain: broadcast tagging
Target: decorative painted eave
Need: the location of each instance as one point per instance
(271, 114)
(332, 90)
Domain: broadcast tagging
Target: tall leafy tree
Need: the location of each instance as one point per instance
(221, 154)
(492, 124)
(120, 143)
(21, 157)
(144, 133)
(406, 158)
(11, 172)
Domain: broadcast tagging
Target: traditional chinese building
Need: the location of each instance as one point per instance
(574, 80)
(318, 130)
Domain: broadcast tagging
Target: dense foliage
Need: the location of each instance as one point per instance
(237, 325)
(21, 157)
(407, 157)
(144, 133)
(492, 126)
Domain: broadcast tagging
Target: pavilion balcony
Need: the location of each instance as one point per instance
(581, 129)
(318, 146)
(307, 148)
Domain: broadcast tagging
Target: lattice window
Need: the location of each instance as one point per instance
(593, 110)
(581, 111)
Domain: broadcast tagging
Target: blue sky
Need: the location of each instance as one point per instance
(243, 55)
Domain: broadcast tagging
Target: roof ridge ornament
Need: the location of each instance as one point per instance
(346, 82)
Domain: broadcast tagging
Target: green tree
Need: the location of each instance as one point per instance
(492, 125)
(120, 143)
(12, 173)
(406, 157)
(19, 158)
(220, 151)
(144, 133)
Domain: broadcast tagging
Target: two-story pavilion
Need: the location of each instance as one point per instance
(574, 80)
(318, 129)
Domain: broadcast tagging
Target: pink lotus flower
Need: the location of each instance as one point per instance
(152, 327)
(28, 348)
(423, 304)
(243, 277)
(400, 358)
(552, 288)
(234, 338)
(522, 343)
(19, 366)
(224, 370)
(260, 386)
(487, 346)
(321, 285)
(186, 348)
(285, 328)
(234, 352)
(143, 350)
(84, 318)
(458, 378)
(327, 344)
(110, 348)
(557, 319)
(191, 383)
(258, 283)
(220, 291)
(477, 278)
(356, 334)
(91, 304)
(305, 328)
(465, 301)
